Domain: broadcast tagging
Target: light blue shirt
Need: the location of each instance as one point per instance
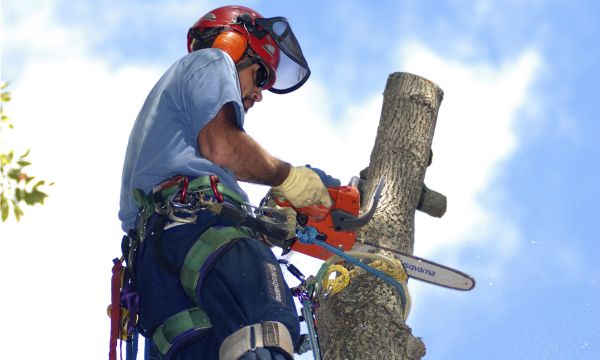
(163, 141)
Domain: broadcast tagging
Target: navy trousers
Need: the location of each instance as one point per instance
(242, 285)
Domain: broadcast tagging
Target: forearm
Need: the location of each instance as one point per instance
(223, 143)
(250, 162)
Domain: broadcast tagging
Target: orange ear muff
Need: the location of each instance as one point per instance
(232, 43)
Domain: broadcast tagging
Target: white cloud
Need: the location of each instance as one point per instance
(474, 138)
(75, 113)
(474, 135)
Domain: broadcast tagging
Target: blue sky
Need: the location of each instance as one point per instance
(515, 151)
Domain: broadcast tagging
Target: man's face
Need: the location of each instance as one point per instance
(251, 93)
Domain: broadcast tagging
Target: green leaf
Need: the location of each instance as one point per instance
(38, 184)
(14, 174)
(17, 211)
(23, 163)
(19, 194)
(4, 207)
(42, 196)
(35, 197)
(26, 154)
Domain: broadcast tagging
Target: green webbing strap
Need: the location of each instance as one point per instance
(203, 182)
(195, 318)
(176, 325)
(211, 240)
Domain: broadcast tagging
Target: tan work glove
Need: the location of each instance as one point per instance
(302, 188)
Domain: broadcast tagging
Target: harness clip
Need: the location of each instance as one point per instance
(214, 181)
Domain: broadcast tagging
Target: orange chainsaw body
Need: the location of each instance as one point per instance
(344, 198)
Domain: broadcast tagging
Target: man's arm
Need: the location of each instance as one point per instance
(223, 143)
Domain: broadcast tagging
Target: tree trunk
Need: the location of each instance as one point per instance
(364, 320)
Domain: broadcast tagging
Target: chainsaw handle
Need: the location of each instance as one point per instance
(344, 221)
(315, 211)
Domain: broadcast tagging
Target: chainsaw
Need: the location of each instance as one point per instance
(337, 227)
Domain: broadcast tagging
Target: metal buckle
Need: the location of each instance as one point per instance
(182, 206)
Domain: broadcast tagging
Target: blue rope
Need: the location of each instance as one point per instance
(309, 236)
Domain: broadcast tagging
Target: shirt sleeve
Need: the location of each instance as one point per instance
(207, 86)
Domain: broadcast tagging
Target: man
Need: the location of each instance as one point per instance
(230, 301)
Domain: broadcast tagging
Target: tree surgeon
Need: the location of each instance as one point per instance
(208, 287)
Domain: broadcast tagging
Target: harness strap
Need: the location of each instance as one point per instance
(166, 334)
(192, 320)
(271, 334)
(201, 182)
(210, 241)
(115, 307)
(148, 202)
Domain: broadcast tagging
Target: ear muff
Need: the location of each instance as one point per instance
(232, 43)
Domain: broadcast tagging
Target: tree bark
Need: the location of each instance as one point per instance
(364, 320)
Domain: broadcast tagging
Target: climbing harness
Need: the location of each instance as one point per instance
(187, 323)
(180, 201)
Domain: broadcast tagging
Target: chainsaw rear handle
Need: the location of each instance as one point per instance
(318, 212)
(342, 221)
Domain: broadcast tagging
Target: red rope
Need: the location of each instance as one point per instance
(115, 307)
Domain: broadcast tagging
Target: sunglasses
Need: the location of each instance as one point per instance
(262, 76)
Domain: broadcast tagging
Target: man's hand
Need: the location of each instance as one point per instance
(302, 188)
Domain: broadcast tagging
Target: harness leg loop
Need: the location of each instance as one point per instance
(268, 334)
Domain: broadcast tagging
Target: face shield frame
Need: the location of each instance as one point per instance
(293, 70)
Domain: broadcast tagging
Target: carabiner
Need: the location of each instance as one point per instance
(214, 181)
(184, 188)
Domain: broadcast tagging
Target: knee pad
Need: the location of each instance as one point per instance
(268, 334)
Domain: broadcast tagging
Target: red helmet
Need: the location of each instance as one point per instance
(235, 29)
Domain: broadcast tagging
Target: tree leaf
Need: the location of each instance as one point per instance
(17, 211)
(14, 174)
(39, 196)
(19, 194)
(23, 163)
(35, 197)
(4, 207)
(26, 154)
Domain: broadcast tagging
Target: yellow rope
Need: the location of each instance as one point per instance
(338, 283)
(392, 267)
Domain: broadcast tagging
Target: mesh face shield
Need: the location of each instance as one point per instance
(293, 70)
